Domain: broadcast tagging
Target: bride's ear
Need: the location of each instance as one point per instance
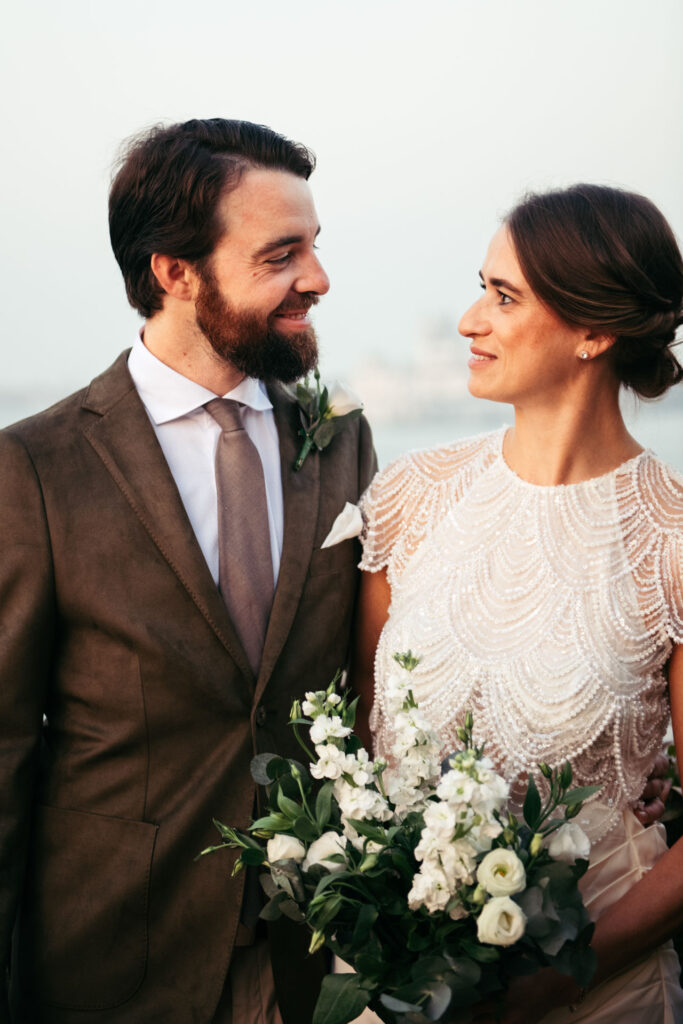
(593, 344)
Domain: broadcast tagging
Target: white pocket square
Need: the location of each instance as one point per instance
(348, 523)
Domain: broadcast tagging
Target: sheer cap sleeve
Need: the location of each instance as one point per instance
(411, 496)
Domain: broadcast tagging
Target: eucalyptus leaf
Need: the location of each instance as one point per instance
(398, 1005)
(439, 1000)
(341, 1000)
(258, 767)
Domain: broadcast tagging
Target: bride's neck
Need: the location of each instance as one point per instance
(568, 443)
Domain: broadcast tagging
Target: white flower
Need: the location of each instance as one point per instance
(569, 843)
(365, 804)
(430, 889)
(501, 922)
(326, 846)
(501, 873)
(334, 699)
(342, 400)
(328, 727)
(483, 835)
(285, 848)
(348, 524)
(459, 861)
(439, 818)
(331, 763)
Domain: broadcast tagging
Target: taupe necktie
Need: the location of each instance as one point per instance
(245, 575)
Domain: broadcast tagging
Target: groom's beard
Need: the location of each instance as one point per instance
(249, 341)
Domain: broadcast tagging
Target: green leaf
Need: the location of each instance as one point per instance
(324, 433)
(272, 823)
(341, 999)
(272, 910)
(367, 915)
(578, 795)
(368, 830)
(483, 954)
(323, 804)
(253, 857)
(305, 830)
(291, 910)
(532, 805)
(288, 807)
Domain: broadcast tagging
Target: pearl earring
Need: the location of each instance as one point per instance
(583, 355)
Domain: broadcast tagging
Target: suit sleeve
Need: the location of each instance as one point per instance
(26, 643)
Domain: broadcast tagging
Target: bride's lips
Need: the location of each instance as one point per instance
(479, 357)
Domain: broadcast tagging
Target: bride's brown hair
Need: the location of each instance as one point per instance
(607, 259)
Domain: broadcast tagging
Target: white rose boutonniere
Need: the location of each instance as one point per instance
(501, 922)
(324, 412)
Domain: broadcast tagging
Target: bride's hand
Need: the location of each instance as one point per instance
(528, 1000)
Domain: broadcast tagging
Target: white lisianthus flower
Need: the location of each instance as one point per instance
(501, 873)
(328, 727)
(342, 400)
(326, 846)
(501, 922)
(285, 848)
(569, 843)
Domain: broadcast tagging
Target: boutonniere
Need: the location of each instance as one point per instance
(324, 412)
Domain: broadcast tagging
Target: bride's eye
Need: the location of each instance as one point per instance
(505, 300)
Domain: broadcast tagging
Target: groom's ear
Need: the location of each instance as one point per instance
(175, 276)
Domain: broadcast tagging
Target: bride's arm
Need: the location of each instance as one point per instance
(372, 609)
(645, 917)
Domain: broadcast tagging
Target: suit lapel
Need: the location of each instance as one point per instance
(300, 493)
(124, 439)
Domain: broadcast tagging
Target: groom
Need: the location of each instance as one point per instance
(164, 598)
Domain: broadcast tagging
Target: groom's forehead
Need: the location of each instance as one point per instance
(270, 202)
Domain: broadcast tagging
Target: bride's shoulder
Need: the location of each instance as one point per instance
(658, 493)
(411, 495)
(440, 465)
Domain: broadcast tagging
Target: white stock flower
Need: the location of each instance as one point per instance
(326, 846)
(285, 848)
(328, 727)
(334, 699)
(439, 818)
(365, 804)
(331, 763)
(459, 861)
(569, 843)
(501, 873)
(342, 400)
(430, 889)
(501, 922)
(483, 835)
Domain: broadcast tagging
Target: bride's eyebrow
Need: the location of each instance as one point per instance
(500, 282)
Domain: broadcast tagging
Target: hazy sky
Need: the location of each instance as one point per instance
(428, 120)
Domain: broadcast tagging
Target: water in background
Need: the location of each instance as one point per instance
(657, 425)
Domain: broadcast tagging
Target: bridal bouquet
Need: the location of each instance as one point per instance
(420, 878)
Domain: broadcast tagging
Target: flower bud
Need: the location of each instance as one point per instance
(317, 940)
(479, 895)
(566, 775)
(572, 810)
(462, 735)
(296, 711)
(469, 720)
(536, 844)
(545, 770)
(368, 862)
(508, 835)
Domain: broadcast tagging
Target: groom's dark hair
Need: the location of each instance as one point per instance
(166, 190)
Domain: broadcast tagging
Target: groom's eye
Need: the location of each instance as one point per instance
(280, 259)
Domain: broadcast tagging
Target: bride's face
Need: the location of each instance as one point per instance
(521, 350)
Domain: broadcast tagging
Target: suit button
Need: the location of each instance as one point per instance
(261, 715)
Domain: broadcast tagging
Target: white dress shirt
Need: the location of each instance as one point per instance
(189, 435)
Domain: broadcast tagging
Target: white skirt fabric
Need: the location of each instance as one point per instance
(647, 993)
(650, 991)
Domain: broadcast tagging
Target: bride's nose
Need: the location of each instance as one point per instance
(474, 320)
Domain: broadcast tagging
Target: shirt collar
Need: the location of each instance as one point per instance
(168, 395)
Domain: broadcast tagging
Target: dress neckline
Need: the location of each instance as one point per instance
(591, 481)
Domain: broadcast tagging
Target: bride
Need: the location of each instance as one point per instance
(538, 571)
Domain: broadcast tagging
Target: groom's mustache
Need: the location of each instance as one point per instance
(298, 304)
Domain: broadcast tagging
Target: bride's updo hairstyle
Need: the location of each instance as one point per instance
(607, 259)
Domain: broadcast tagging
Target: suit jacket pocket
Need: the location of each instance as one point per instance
(87, 901)
(345, 555)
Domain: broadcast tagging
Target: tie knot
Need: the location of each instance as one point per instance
(226, 412)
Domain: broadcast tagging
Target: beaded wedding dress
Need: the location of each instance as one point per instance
(550, 612)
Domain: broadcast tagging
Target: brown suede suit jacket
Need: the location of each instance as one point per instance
(129, 714)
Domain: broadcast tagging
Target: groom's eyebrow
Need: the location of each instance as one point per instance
(500, 282)
(280, 243)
